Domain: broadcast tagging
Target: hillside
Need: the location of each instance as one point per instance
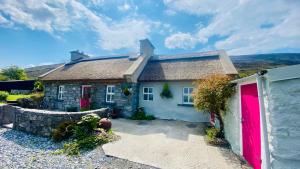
(250, 64)
(35, 72)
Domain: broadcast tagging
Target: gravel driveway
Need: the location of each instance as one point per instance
(21, 150)
(168, 144)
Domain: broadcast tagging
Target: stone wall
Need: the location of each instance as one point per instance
(42, 122)
(7, 114)
(283, 121)
(72, 94)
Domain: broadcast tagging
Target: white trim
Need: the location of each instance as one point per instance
(189, 95)
(241, 122)
(110, 93)
(265, 158)
(148, 94)
(83, 86)
(60, 92)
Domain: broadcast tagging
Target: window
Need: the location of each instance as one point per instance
(148, 93)
(187, 95)
(60, 92)
(110, 92)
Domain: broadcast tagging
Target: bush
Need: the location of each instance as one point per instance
(166, 93)
(140, 114)
(3, 95)
(38, 86)
(86, 143)
(89, 121)
(63, 131)
(26, 103)
(212, 134)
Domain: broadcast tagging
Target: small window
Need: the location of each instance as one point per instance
(187, 95)
(148, 93)
(61, 91)
(110, 93)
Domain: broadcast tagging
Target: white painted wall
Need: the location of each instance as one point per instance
(168, 108)
(232, 123)
(283, 120)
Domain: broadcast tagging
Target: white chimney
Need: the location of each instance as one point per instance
(77, 55)
(146, 48)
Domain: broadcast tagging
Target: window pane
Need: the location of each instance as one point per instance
(112, 98)
(145, 90)
(108, 89)
(145, 97)
(185, 90)
(191, 90)
(185, 99)
(150, 90)
(150, 96)
(191, 100)
(113, 89)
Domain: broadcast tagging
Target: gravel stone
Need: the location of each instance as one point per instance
(21, 150)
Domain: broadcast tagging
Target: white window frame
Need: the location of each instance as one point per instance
(61, 91)
(148, 94)
(110, 94)
(189, 95)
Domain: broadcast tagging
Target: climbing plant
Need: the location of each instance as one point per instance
(166, 93)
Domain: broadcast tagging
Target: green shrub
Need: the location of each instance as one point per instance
(63, 131)
(126, 91)
(80, 132)
(89, 121)
(3, 95)
(38, 86)
(71, 148)
(212, 133)
(166, 93)
(26, 103)
(140, 114)
(86, 143)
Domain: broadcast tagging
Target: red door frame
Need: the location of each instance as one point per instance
(250, 132)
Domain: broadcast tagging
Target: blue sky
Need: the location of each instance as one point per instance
(37, 32)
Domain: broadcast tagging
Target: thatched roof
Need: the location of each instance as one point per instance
(91, 69)
(191, 66)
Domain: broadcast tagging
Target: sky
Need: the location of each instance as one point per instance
(39, 32)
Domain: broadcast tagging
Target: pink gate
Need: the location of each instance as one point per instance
(251, 125)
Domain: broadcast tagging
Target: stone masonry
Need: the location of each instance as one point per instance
(41, 122)
(73, 90)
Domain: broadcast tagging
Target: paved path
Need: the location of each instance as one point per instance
(168, 144)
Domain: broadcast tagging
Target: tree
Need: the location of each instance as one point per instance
(3, 78)
(14, 73)
(211, 95)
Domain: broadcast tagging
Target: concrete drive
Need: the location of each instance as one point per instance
(167, 144)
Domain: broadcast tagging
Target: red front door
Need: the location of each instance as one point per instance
(251, 125)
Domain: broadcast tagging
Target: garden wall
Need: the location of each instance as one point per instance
(41, 122)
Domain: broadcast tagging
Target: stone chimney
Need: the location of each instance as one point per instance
(146, 48)
(77, 55)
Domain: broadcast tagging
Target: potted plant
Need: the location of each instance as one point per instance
(166, 93)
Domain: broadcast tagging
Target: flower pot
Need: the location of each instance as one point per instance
(105, 123)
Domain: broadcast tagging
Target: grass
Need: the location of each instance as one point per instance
(16, 97)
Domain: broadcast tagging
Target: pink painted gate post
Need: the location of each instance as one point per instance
(251, 125)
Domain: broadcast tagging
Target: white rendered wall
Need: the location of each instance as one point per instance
(169, 108)
(283, 121)
(232, 123)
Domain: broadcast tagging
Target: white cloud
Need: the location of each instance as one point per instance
(180, 40)
(65, 15)
(240, 22)
(125, 7)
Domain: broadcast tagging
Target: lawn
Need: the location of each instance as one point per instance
(16, 97)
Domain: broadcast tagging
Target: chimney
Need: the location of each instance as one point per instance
(77, 55)
(146, 48)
